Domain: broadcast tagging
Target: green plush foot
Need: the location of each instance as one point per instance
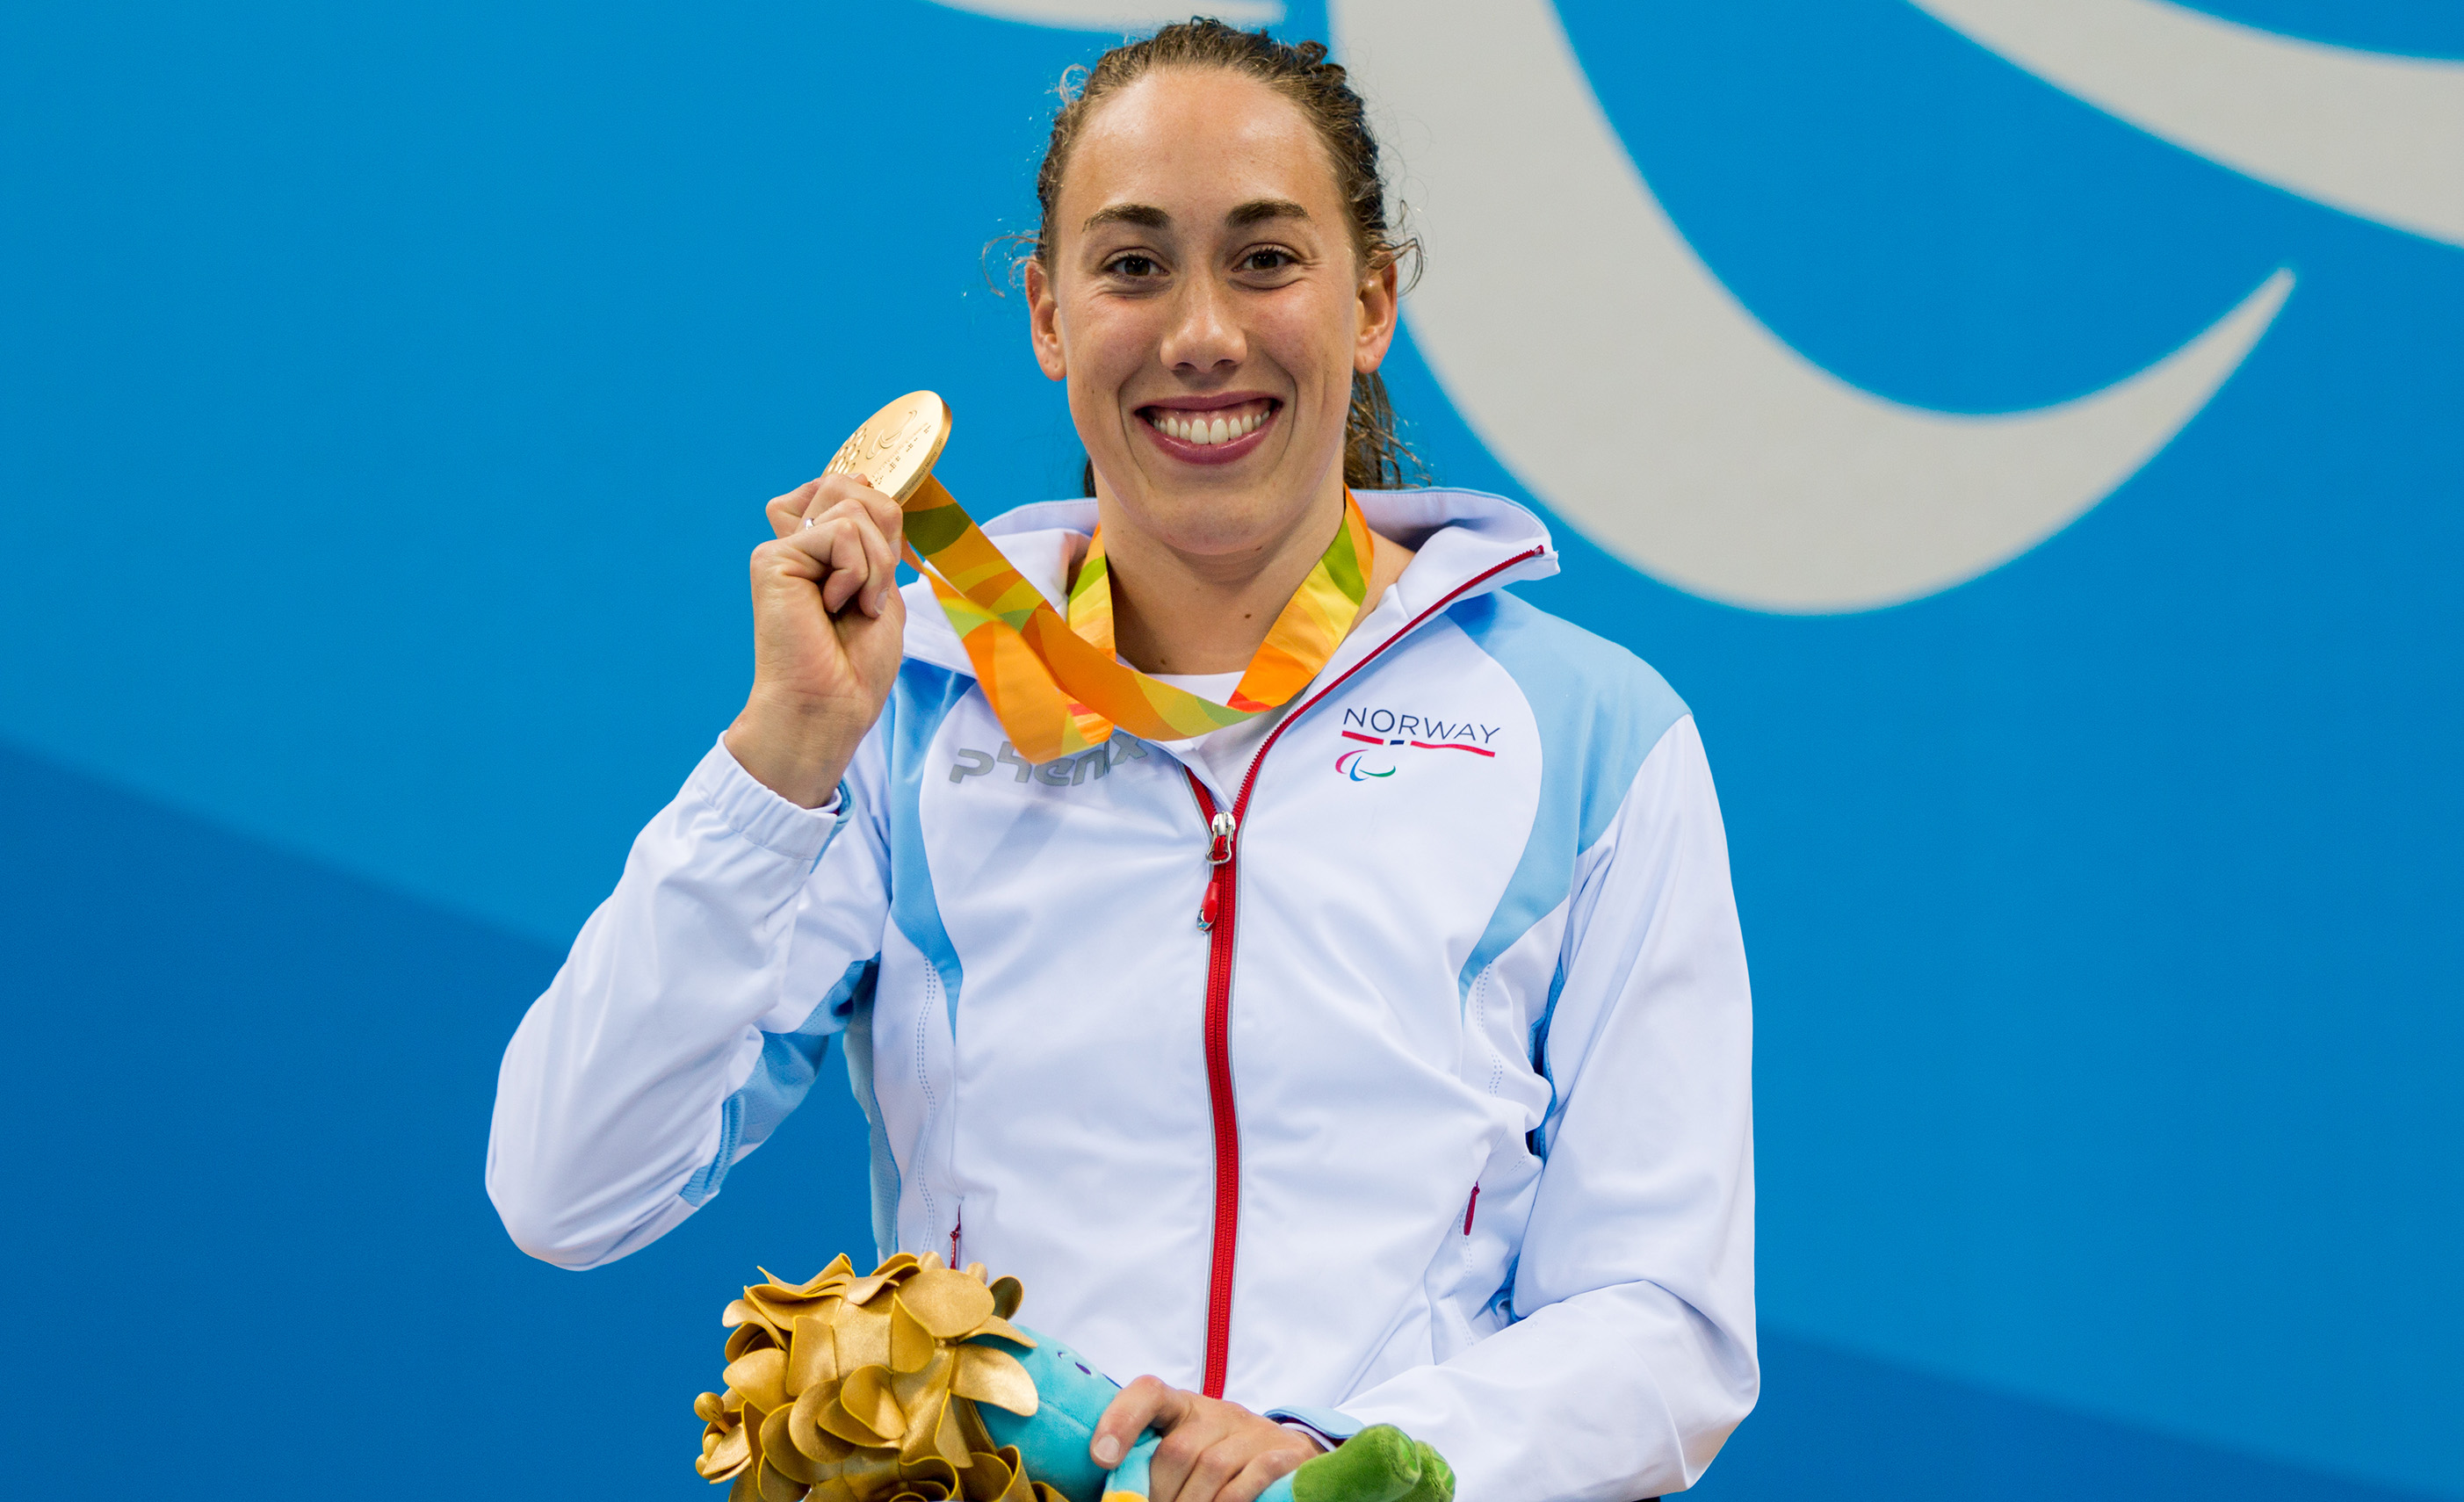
(1379, 1463)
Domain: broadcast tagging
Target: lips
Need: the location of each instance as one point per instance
(1217, 432)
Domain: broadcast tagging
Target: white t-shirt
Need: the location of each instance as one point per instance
(1226, 752)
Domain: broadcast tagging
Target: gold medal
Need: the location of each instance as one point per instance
(896, 449)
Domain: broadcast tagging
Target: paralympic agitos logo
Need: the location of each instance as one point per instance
(1393, 733)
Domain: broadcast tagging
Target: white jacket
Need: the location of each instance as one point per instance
(1447, 1123)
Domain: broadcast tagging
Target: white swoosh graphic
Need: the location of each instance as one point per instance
(1599, 358)
(1119, 15)
(2373, 134)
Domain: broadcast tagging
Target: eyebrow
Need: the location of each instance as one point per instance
(1255, 211)
(1146, 214)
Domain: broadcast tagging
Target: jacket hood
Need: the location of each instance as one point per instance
(1465, 543)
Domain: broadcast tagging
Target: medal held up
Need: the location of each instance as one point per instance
(1057, 686)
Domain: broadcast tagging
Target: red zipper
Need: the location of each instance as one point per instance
(1216, 919)
(1215, 916)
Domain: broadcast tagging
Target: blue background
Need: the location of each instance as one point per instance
(390, 398)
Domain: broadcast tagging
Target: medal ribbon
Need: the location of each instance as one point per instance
(1057, 687)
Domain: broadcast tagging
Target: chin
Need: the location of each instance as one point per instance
(1216, 519)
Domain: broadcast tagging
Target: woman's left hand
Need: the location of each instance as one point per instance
(1212, 1450)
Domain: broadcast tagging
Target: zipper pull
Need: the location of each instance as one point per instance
(1218, 853)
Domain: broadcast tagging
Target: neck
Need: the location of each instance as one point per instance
(1179, 611)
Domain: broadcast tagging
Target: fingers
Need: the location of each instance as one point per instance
(1211, 1450)
(845, 550)
(1149, 1403)
(787, 513)
(850, 534)
(1264, 1470)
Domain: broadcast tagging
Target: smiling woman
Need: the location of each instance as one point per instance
(1337, 1092)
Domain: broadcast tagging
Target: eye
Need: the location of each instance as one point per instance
(1133, 265)
(1269, 258)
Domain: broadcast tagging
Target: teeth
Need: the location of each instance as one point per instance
(1209, 431)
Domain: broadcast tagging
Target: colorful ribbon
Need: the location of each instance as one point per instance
(1057, 687)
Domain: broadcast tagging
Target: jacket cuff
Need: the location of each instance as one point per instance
(1326, 1423)
(763, 817)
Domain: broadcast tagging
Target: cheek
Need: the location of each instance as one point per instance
(1105, 343)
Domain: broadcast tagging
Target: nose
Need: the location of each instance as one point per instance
(1204, 336)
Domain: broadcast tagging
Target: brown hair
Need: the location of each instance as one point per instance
(1375, 457)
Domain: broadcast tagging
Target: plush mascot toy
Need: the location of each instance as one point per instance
(1380, 1463)
(910, 1385)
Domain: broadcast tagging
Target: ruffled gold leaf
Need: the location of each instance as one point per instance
(949, 1305)
(778, 1449)
(754, 1419)
(864, 1389)
(812, 1355)
(997, 1326)
(994, 1377)
(911, 1342)
(1018, 1490)
(986, 1479)
(898, 1267)
(934, 1472)
(971, 1426)
(728, 1457)
(912, 1388)
(866, 1397)
(805, 1430)
(760, 1375)
(775, 1486)
(750, 1335)
(863, 1336)
(923, 1425)
(947, 1438)
(871, 1473)
(1008, 1294)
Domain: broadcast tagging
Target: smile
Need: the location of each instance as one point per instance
(1212, 434)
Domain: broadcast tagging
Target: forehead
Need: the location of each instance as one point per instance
(1194, 142)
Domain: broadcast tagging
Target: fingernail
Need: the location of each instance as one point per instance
(1108, 1451)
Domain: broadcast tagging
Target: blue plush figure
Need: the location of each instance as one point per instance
(1380, 1463)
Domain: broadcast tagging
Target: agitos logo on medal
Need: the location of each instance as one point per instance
(1390, 731)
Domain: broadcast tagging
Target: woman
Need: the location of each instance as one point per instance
(1381, 1057)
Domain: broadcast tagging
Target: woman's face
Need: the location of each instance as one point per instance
(1207, 309)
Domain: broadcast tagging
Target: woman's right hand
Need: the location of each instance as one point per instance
(827, 625)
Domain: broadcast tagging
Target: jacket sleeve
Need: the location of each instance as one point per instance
(693, 1013)
(1632, 1354)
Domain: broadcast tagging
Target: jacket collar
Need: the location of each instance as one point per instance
(1467, 542)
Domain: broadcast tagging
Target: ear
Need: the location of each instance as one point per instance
(1043, 321)
(1380, 304)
